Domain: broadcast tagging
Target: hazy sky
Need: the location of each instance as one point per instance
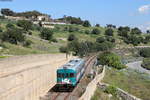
(118, 12)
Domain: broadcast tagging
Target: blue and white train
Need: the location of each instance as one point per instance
(70, 73)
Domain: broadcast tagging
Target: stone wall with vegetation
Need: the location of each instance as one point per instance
(121, 93)
(92, 86)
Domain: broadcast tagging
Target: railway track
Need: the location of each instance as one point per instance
(52, 95)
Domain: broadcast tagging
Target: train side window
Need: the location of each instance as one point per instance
(59, 75)
(67, 75)
(62, 75)
(71, 74)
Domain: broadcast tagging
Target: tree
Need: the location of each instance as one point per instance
(71, 20)
(96, 31)
(97, 25)
(72, 37)
(136, 31)
(13, 36)
(110, 59)
(109, 32)
(86, 23)
(123, 31)
(26, 25)
(148, 31)
(7, 12)
(46, 34)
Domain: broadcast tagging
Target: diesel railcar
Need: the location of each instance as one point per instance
(69, 74)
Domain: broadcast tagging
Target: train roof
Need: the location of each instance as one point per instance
(73, 64)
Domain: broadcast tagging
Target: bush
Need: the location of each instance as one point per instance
(101, 39)
(46, 34)
(146, 63)
(72, 37)
(9, 25)
(111, 90)
(54, 40)
(110, 39)
(13, 36)
(145, 52)
(63, 49)
(105, 46)
(110, 59)
(87, 31)
(27, 43)
(109, 32)
(96, 31)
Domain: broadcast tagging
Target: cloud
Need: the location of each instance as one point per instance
(144, 9)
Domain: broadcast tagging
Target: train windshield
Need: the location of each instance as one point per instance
(65, 75)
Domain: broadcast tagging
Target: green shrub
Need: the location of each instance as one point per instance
(46, 34)
(101, 39)
(27, 43)
(146, 63)
(111, 90)
(109, 32)
(110, 59)
(72, 37)
(63, 49)
(87, 31)
(96, 31)
(54, 40)
(145, 52)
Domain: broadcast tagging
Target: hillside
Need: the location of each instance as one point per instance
(60, 35)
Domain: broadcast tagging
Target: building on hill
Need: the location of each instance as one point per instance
(15, 18)
(44, 18)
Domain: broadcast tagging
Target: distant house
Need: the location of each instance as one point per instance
(43, 18)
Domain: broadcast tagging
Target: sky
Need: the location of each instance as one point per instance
(133, 13)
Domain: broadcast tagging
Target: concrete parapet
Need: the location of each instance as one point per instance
(29, 77)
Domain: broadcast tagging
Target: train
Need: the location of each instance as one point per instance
(70, 73)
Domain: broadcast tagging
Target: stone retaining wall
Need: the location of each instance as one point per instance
(29, 82)
(92, 86)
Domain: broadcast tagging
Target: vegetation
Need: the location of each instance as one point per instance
(96, 31)
(46, 34)
(71, 20)
(109, 32)
(13, 36)
(101, 95)
(146, 63)
(86, 23)
(26, 25)
(110, 59)
(111, 90)
(131, 81)
(145, 52)
(72, 37)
